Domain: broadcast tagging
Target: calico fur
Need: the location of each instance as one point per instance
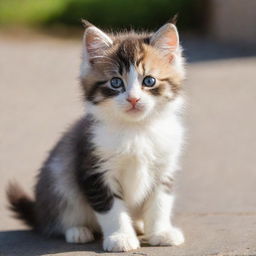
(113, 170)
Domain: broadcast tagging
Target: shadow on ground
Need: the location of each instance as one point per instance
(21, 243)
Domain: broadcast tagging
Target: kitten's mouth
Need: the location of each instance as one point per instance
(133, 110)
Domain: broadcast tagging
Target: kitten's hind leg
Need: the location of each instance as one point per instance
(79, 235)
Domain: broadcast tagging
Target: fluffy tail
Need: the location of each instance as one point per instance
(21, 204)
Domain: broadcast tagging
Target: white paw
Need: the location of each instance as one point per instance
(171, 236)
(78, 235)
(121, 242)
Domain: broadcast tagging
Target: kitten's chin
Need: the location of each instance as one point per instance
(135, 115)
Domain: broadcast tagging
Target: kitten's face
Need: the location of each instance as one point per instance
(131, 77)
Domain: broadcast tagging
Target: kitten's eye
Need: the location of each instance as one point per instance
(149, 81)
(116, 82)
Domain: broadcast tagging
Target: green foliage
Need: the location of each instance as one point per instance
(29, 12)
(145, 14)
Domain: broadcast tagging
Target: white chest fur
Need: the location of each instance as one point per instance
(136, 156)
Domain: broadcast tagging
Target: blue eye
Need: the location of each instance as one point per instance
(149, 81)
(116, 82)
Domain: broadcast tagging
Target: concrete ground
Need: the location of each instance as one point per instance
(216, 203)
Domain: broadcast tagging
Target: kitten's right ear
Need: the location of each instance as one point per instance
(166, 39)
(95, 41)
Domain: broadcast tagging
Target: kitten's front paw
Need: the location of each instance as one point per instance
(121, 242)
(79, 235)
(171, 236)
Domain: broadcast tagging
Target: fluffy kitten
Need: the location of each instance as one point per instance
(112, 172)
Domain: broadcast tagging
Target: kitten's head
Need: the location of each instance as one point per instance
(129, 76)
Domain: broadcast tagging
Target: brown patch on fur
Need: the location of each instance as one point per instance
(93, 90)
(128, 52)
(156, 65)
(166, 80)
(176, 87)
(158, 91)
(108, 92)
(21, 204)
(143, 68)
(140, 59)
(99, 92)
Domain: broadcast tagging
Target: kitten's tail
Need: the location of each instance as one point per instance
(21, 204)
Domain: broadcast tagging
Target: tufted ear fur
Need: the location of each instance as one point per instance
(95, 41)
(166, 39)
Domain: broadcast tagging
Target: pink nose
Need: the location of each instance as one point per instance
(133, 101)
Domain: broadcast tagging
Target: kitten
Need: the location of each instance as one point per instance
(112, 172)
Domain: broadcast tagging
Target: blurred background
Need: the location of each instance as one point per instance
(40, 47)
(231, 21)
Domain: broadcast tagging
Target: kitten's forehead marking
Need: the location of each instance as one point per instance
(129, 52)
(132, 76)
(133, 84)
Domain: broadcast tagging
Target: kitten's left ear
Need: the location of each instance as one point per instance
(166, 39)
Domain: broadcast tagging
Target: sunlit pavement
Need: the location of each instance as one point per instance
(216, 203)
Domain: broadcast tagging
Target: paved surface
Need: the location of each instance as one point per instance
(216, 204)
